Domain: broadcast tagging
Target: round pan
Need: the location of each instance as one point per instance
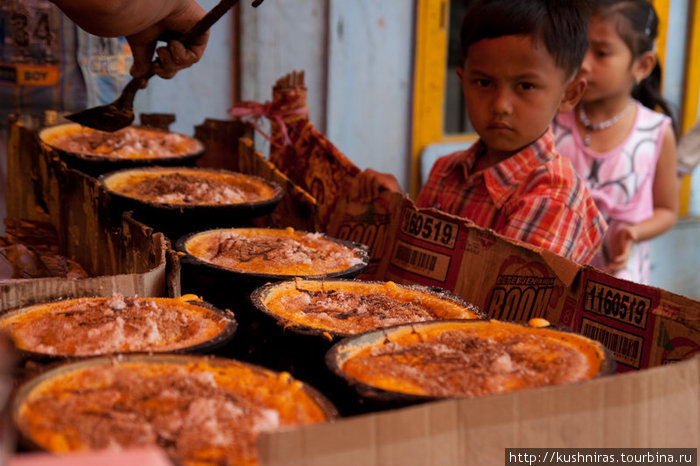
(443, 303)
(215, 341)
(347, 348)
(183, 244)
(193, 215)
(96, 165)
(25, 392)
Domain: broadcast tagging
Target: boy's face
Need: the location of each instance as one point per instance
(512, 89)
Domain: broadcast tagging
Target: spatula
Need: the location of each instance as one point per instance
(120, 113)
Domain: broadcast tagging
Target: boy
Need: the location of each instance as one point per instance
(520, 63)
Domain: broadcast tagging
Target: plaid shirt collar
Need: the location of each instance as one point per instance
(504, 179)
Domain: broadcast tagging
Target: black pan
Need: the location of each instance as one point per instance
(224, 335)
(380, 398)
(95, 165)
(177, 219)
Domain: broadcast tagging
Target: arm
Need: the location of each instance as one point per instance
(142, 23)
(665, 205)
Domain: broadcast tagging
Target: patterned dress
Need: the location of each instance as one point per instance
(621, 180)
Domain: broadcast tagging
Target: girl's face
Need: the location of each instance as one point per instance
(608, 66)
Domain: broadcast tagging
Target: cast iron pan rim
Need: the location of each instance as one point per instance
(334, 362)
(20, 393)
(274, 199)
(130, 161)
(134, 162)
(256, 298)
(214, 342)
(361, 250)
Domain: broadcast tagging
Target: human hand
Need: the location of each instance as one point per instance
(175, 56)
(620, 247)
(372, 183)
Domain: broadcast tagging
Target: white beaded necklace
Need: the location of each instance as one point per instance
(598, 126)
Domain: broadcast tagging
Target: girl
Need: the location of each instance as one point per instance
(617, 142)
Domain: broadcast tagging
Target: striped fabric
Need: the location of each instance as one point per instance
(533, 196)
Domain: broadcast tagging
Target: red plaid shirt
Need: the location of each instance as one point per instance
(534, 196)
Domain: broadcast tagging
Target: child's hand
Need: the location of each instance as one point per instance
(620, 247)
(372, 183)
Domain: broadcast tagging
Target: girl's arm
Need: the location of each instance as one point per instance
(142, 22)
(665, 204)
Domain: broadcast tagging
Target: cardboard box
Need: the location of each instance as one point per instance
(510, 280)
(120, 254)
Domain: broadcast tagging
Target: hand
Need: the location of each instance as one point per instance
(143, 22)
(175, 56)
(372, 183)
(620, 247)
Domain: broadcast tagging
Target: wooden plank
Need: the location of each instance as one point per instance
(281, 36)
(655, 406)
(369, 76)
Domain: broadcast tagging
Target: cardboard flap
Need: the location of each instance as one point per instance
(643, 326)
(507, 279)
(368, 218)
(303, 153)
(565, 269)
(601, 413)
(316, 165)
(127, 257)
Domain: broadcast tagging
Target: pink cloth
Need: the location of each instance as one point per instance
(621, 180)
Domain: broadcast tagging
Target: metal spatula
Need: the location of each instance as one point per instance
(120, 113)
